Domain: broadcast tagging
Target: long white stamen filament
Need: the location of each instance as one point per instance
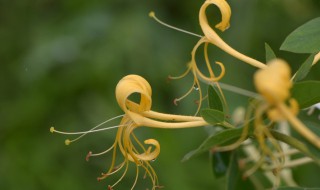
(67, 142)
(94, 129)
(85, 132)
(111, 119)
(52, 129)
(152, 15)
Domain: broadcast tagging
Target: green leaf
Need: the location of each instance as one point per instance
(304, 69)
(214, 99)
(225, 137)
(311, 120)
(304, 147)
(213, 117)
(220, 163)
(233, 173)
(307, 93)
(269, 53)
(296, 188)
(305, 39)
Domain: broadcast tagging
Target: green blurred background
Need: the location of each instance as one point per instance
(60, 63)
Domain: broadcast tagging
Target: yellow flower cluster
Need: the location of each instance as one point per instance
(272, 81)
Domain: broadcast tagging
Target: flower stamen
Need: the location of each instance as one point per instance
(176, 100)
(153, 15)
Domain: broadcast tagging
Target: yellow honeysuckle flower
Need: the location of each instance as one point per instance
(210, 36)
(274, 85)
(137, 114)
(215, 39)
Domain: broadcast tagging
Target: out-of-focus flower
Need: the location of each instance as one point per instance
(274, 85)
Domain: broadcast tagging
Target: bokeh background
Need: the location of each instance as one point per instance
(60, 61)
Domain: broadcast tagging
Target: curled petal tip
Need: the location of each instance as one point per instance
(223, 26)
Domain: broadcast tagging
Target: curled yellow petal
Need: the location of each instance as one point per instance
(148, 155)
(225, 13)
(129, 85)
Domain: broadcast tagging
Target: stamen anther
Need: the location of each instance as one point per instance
(67, 142)
(151, 14)
(175, 101)
(88, 156)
